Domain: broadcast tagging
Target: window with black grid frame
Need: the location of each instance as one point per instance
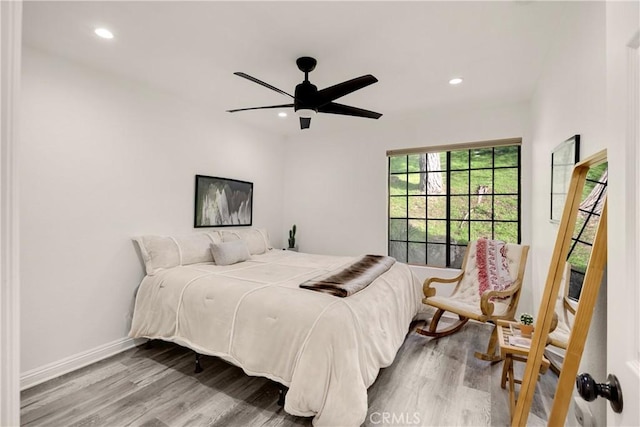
(439, 201)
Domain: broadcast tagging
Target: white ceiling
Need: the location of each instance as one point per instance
(413, 48)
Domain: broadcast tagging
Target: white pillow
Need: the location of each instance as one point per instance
(159, 252)
(228, 253)
(257, 239)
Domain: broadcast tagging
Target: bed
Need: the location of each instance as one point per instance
(327, 350)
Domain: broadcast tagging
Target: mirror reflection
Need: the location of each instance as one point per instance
(584, 231)
(589, 213)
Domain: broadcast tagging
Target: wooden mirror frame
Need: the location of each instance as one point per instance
(588, 296)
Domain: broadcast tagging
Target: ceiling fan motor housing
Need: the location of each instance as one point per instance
(305, 97)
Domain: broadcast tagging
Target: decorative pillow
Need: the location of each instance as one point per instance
(257, 239)
(228, 253)
(159, 252)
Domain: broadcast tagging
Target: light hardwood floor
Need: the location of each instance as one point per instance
(430, 383)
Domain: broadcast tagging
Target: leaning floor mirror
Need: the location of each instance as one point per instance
(581, 242)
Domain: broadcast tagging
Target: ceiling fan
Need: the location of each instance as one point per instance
(308, 100)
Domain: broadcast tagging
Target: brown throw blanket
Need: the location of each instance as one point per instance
(353, 278)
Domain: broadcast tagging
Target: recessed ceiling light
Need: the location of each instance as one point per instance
(455, 81)
(282, 114)
(104, 33)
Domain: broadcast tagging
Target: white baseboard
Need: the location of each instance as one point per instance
(52, 370)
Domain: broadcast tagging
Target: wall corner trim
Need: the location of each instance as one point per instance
(68, 364)
(10, 68)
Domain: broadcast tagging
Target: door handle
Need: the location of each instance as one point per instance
(589, 390)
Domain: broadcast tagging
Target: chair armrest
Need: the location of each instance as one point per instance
(430, 292)
(487, 306)
(567, 306)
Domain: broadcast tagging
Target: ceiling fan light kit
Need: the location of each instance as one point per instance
(308, 100)
(306, 112)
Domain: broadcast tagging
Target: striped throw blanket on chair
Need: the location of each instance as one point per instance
(493, 266)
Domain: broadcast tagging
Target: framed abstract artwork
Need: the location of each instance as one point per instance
(563, 159)
(222, 202)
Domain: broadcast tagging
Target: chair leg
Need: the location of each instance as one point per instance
(433, 325)
(554, 368)
(490, 355)
(505, 370)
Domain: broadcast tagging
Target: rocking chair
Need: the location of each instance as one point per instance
(466, 300)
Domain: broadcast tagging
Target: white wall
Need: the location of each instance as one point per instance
(104, 159)
(570, 99)
(336, 184)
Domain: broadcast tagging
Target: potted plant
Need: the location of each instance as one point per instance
(526, 324)
(292, 238)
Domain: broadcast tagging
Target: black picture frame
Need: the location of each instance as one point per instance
(222, 202)
(563, 159)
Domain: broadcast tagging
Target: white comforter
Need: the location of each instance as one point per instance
(327, 350)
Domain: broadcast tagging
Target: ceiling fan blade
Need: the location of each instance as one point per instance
(334, 92)
(260, 108)
(335, 108)
(305, 122)
(260, 82)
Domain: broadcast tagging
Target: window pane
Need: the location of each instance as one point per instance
(417, 230)
(415, 162)
(435, 162)
(460, 159)
(575, 284)
(588, 231)
(417, 253)
(592, 187)
(398, 250)
(437, 207)
(460, 182)
(417, 183)
(417, 207)
(436, 257)
(398, 229)
(506, 231)
(505, 208)
(505, 181)
(457, 255)
(579, 256)
(480, 229)
(437, 183)
(483, 207)
(459, 207)
(459, 232)
(398, 207)
(436, 231)
(481, 158)
(398, 164)
(397, 185)
(506, 156)
(481, 181)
